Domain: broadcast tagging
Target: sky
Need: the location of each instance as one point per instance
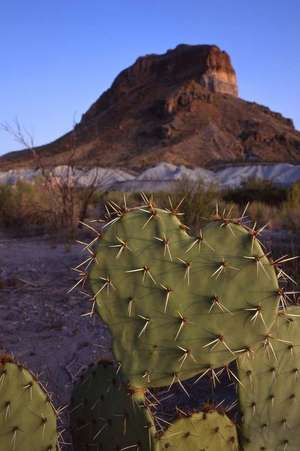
(57, 57)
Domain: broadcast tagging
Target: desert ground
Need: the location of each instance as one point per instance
(41, 324)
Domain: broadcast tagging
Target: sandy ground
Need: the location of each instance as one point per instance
(41, 325)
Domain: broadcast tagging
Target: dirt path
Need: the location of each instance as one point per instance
(40, 323)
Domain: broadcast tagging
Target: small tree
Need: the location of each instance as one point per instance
(67, 202)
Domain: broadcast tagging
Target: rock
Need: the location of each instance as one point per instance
(131, 125)
(204, 64)
(164, 176)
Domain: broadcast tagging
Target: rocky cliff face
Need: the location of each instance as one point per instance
(207, 65)
(181, 107)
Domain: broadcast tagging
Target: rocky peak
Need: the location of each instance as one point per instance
(182, 108)
(207, 65)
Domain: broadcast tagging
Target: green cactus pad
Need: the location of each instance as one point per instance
(210, 431)
(27, 417)
(269, 392)
(106, 416)
(178, 305)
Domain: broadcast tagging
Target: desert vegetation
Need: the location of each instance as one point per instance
(57, 210)
(42, 208)
(57, 206)
(54, 203)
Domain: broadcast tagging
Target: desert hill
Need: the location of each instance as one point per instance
(182, 108)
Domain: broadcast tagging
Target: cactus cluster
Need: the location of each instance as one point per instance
(106, 415)
(180, 307)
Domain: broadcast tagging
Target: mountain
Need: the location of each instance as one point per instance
(181, 107)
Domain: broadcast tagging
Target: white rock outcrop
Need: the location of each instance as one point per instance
(163, 176)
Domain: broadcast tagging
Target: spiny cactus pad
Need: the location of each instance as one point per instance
(269, 392)
(27, 417)
(106, 416)
(210, 431)
(178, 305)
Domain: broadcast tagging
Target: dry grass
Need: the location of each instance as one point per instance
(33, 209)
(36, 208)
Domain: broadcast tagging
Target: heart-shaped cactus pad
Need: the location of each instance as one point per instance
(177, 305)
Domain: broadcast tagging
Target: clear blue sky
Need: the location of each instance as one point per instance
(58, 56)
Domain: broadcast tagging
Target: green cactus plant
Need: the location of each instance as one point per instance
(209, 431)
(105, 415)
(269, 392)
(28, 420)
(181, 306)
(173, 302)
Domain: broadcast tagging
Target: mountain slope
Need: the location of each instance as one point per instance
(180, 107)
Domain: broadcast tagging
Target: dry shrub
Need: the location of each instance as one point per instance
(264, 214)
(54, 202)
(197, 201)
(289, 214)
(256, 190)
(38, 208)
(20, 206)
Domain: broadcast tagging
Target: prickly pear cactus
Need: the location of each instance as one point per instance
(106, 416)
(211, 431)
(269, 392)
(27, 416)
(179, 305)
